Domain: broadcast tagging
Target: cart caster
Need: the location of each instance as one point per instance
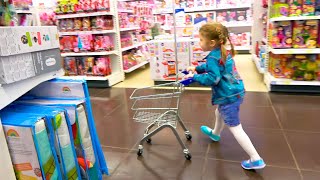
(148, 140)
(140, 150)
(189, 137)
(188, 156)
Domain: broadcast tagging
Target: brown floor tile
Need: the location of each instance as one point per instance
(299, 117)
(196, 96)
(197, 113)
(256, 99)
(306, 149)
(158, 165)
(95, 91)
(114, 156)
(258, 117)
(295, 100)
(223, 170)
(270, 144)
(310, 175)
(102, 107)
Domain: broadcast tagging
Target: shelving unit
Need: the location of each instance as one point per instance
(215, 9)
(136, 67)
(129, 29)
(258, 63)
(78, 15)
(134, 46)
(103, 53)
(86, 32)
(289, 85)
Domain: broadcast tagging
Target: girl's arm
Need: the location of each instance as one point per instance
(212, 77)
(201, 69)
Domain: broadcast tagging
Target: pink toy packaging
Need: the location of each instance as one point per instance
(241, 16)
(232, 16)
(102, 66)
(221, 17)
(85, 65)
(86, 24)
(85, 42)
(308, 7)
(99, 43)
(68, 44)
(281, 33)
(63, 25)
(305, 34)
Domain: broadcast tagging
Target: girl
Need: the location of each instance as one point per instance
(227, 88)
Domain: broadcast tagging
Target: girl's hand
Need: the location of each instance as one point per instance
(191, 68)
(190, 75)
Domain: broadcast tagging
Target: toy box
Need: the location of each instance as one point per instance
(85, 65)
(32, 153)
(231, 16)
(19, 67)
(281, 33)
(85, 42)
(317, 8)
(241, 16)
(222, 17)
(305, 34)
(280, 10)
(18, 40)
(279, 65)
(295, 7)
(308, 7)
(70, 66)
(102, 66)
(197, 55)
(69, 44)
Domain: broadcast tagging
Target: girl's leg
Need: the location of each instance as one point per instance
(219, 125)
(215, 133)
(245, 142)
(230, 115)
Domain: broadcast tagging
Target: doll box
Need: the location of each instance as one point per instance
(18, 40)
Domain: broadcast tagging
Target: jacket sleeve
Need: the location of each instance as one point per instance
(201, 69)
(212, 76)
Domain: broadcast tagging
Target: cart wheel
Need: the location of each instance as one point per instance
(148, 140)
(188, 156)
(140, 151)
(189, 136)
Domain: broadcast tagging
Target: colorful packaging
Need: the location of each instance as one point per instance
(281, 33)
(305, 34)
(99, 43)
(86, 24)
(85, 42)
(77, 24)
(241, 15)
(280, 10)
(70, 25)
(70, 66)
(295, 7)
(308, 7)
(231, 16)
(222, 17)
(69, 44)
(102, 66)
(63, 25)
(85, 65)
(317, 8)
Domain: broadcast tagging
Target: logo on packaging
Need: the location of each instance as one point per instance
(12, 133)
(66, 90)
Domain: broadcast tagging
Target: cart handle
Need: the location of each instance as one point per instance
(188, 81)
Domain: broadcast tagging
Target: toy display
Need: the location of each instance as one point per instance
(232, 16)
(308, 7)
(241, 39)
(102, 66)
(295, 7)
(281, 33)
(74, 6)
(280, 10)
(85, 66)
(317, 8)
(305, 34)
(70, 66)
(86, 24)
(85, 42)
(291, 8)
(296, 67)
(69, 44)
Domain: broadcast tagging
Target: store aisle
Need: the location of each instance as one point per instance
(252, 79)
(284, 129)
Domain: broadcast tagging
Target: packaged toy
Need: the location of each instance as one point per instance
(70, 25)
(102, 66)
(190, 3)
(85, 65)
(210, 16)
(69, 44)
(308, 7)
(63, 25)
(109, 43)
(305, 34)
(221, 17)
(70, 66)
(241, 15)
(77, 24)
(93, 23)
(99, 43)
(231, 16)
(278, 65)
(311, 68)
(189, 19)
(101, 23)
(281, 33)
(86, 24)
(85, 42)
(280, 10)
(295, 7)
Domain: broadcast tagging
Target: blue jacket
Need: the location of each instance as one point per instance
(227, 86)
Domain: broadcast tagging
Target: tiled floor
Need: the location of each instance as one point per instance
(284, 128)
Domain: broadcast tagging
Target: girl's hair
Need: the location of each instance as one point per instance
(218, 32)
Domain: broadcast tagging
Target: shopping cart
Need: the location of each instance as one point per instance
(158, 106)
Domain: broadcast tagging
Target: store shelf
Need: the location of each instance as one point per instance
(113, 79)
(24, 12)
(281, 81)
(136, 67)
(130, 29)
(215, 9)
(294, 18)
(242, 48)
(67, 16)
(295, 51)
(86, 32)
(257, 63)
(238, 24)
(103, 53)
(11, 92)
(163, 11)
(125, 11)
(134, 46)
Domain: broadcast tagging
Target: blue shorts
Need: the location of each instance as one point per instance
(230, 112)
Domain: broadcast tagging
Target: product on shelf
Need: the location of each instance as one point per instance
(69, 44)
(241, 39)
(22, 4)
(85, 65)
(280, 10)
(308, 7)
(317, 8)
(85, 42)
(305, 34)
(286, 8)
(73, 6)
(281, 34)
(70, 66)
(86, 24)
(295, 7)
(102, 66)
(296, 67)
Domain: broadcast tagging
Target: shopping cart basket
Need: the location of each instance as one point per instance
(158, 106)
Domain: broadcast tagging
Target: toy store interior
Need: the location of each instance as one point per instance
(96, 89)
